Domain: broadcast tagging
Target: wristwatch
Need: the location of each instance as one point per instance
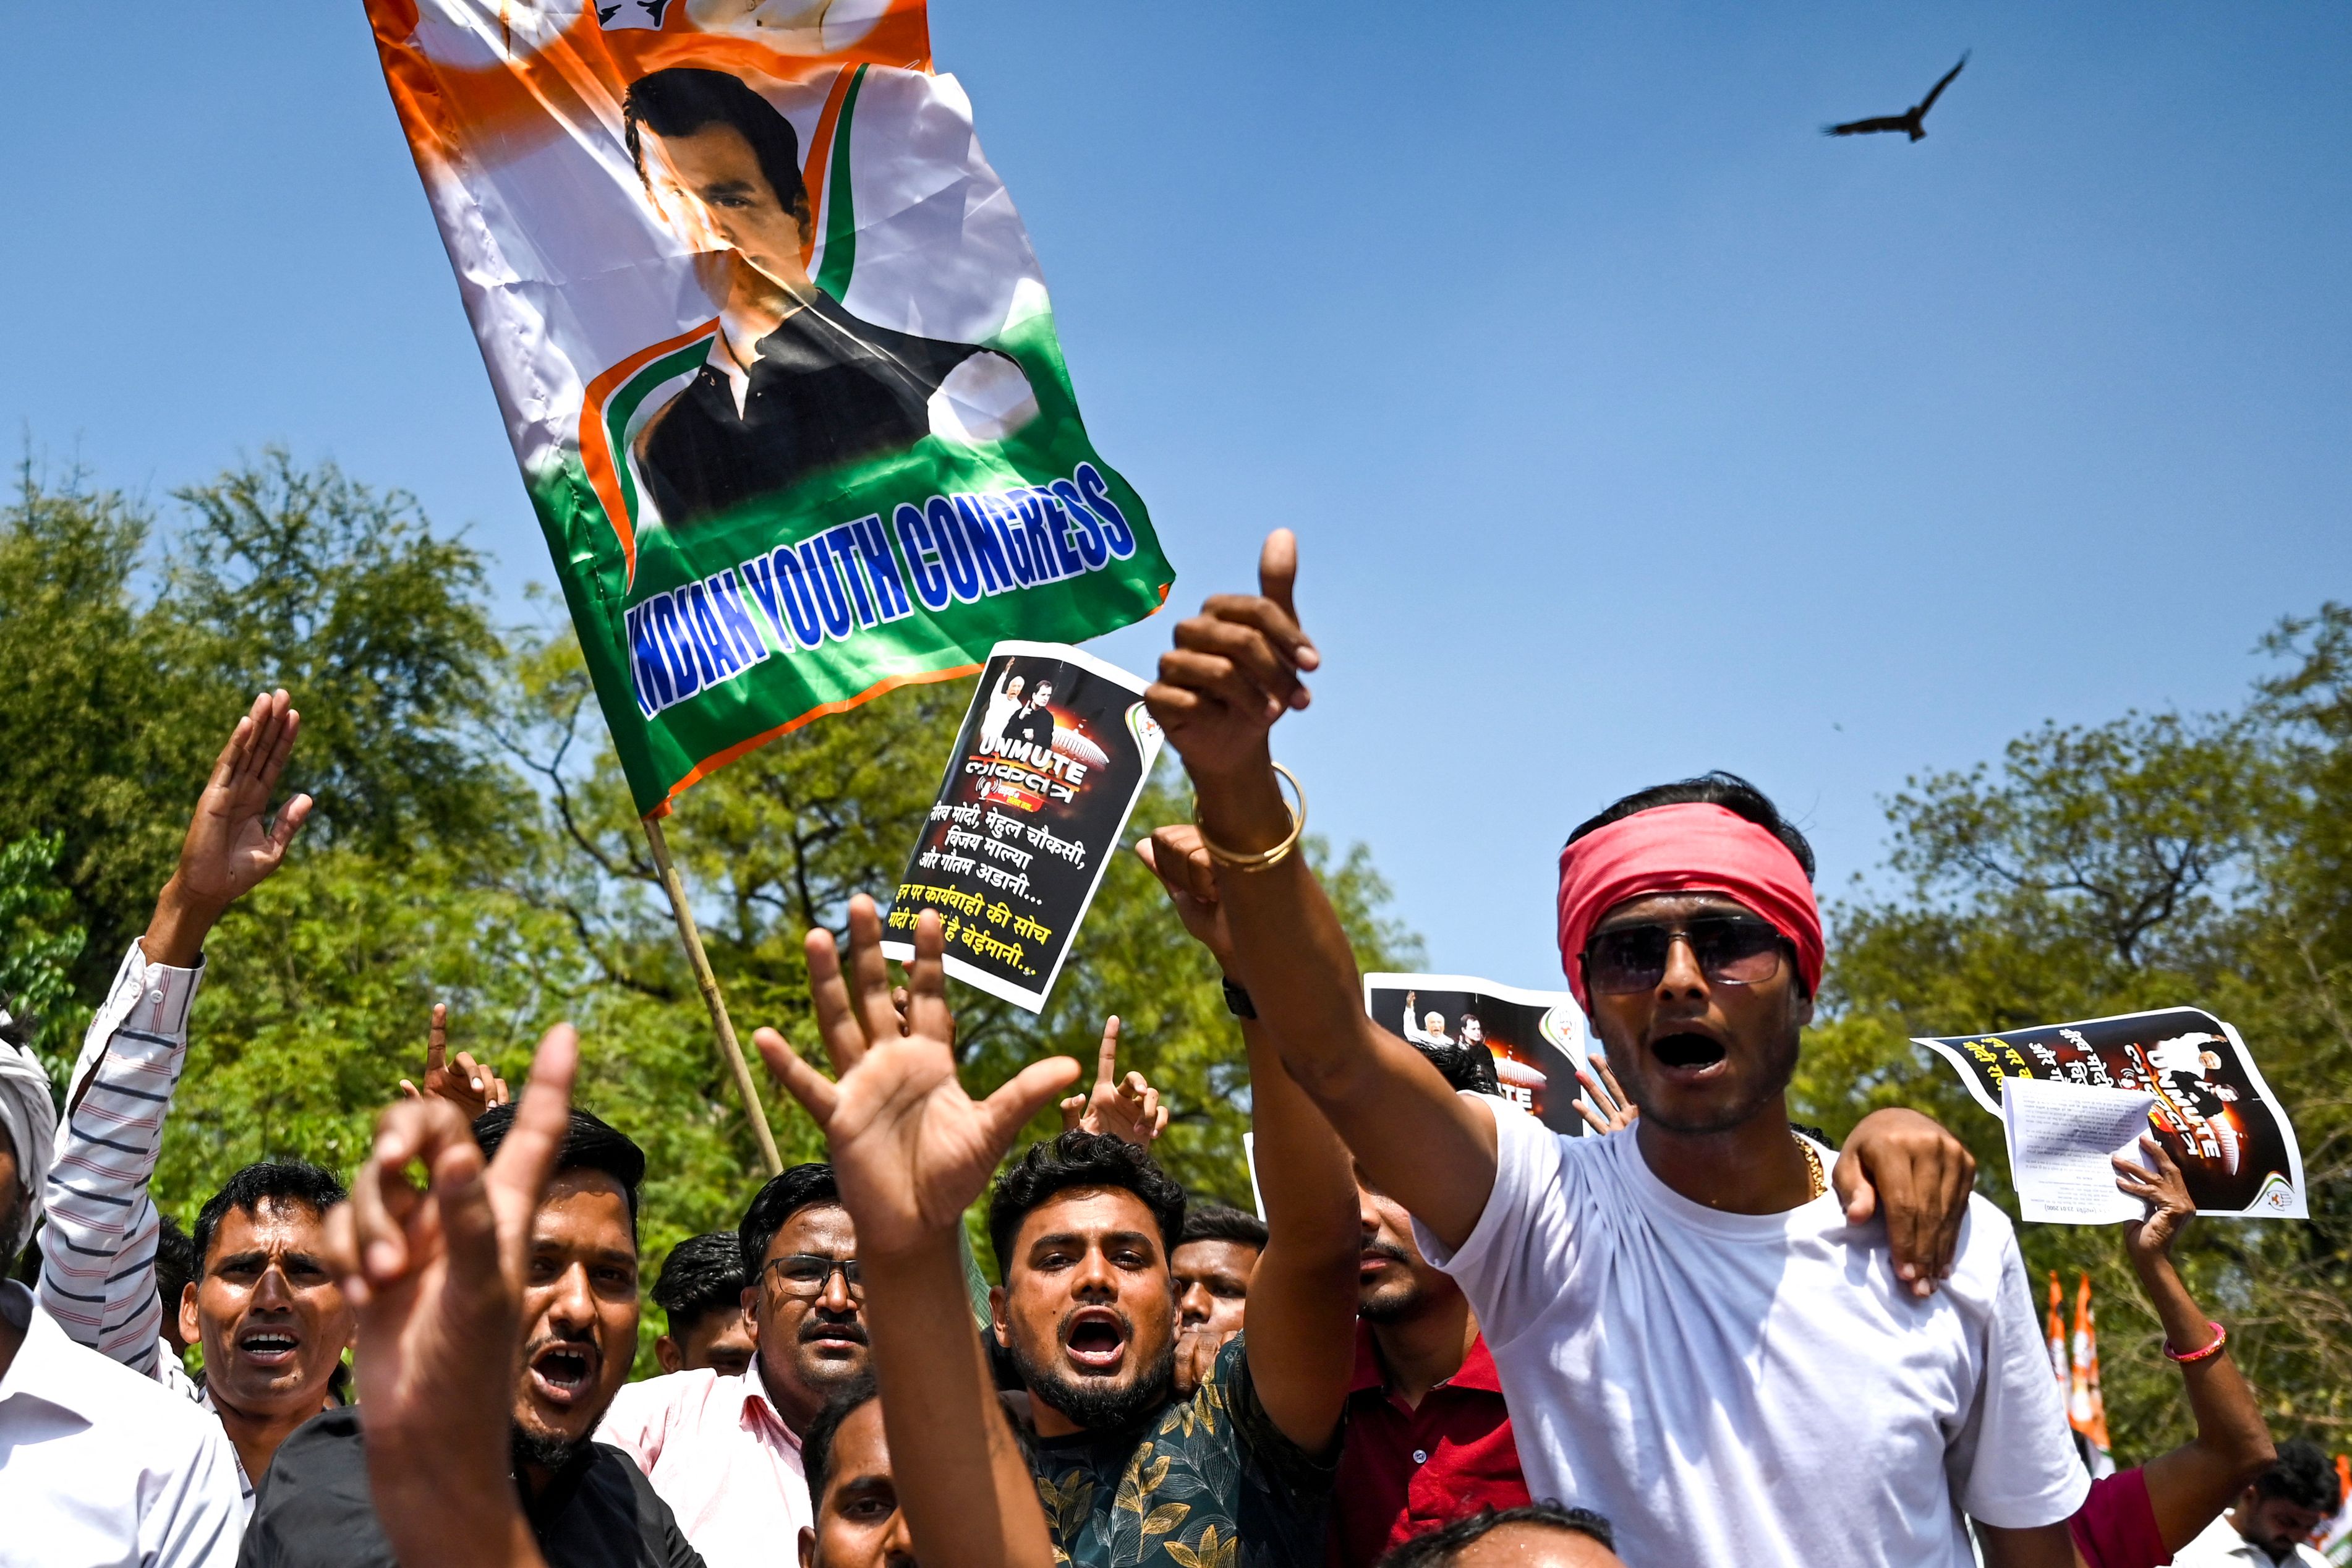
(1237, 1001)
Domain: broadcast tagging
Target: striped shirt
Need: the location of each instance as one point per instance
(97, 1257)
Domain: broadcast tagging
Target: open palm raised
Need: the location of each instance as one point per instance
(910, 1149)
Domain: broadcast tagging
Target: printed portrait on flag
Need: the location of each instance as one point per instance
(776, 357)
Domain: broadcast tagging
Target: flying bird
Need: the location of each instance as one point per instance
(1908, 122)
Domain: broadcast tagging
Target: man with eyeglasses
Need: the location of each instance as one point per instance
(1695, 1336)
(724, 1451)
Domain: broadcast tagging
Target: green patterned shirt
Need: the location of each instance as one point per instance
(1206, 1482)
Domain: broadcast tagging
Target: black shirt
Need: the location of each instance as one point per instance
(313, 1509)
(1035, 725)
(826, 389)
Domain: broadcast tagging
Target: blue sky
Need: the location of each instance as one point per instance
(1630, 425)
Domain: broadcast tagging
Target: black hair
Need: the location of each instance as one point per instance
(590, 1143)
(1079, 1160)
(1715, 787)
(265, 1181)
(1438, 1548)
(816, 1443)
(175, 1265)
(703, 1275)
(2302, 1474)
(785, 1194)
(684, 99)
(1221, 1221)
(1730, 791)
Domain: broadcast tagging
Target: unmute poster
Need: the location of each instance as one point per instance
(1052, 757)
(773, 352)
(1535, 1038)
(2230, 1135)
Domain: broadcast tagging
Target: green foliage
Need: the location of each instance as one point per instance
(38, 943)
(2145, 863)
(474, 843)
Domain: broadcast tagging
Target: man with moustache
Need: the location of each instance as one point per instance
(1428, 1437)
(272, 1322)
(1696, 1338)
(724, 1451)
(1236, 1468)
(585, 1503)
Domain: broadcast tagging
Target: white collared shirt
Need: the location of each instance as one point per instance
(2221, 1546)
(719, 1455)
(101, 1467)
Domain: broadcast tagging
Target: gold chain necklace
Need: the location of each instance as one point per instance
(1816, 1179)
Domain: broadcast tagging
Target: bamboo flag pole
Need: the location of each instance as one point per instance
(675, 886)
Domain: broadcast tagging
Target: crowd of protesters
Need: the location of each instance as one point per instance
(1454, 1337)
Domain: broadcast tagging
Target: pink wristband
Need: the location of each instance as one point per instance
(2220, 1338)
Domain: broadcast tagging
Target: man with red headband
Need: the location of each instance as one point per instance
(1703, 1328)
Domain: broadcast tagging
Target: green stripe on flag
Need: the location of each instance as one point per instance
(622, 406)
(840, 219)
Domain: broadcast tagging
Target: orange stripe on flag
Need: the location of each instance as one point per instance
(820, 150)
(596, 454)
(716, 760)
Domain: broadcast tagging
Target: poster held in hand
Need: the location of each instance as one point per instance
(2210, 1107)
(1051, 758)
(1536, 1039)
(2062, 1138)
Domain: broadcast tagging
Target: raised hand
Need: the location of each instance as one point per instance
(437, 1277)
(1188, 877)
(910, 1149)
(2159, 1184)
(1126, 1108)
(1235, 668)
(232, 846)
(468, 1085)
(1605, 1106)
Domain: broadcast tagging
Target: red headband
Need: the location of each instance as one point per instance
(1688, 848)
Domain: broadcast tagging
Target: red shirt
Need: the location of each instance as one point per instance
(1404, 1472)
(2116, 1526)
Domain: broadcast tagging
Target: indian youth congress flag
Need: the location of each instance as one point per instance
(773, 352)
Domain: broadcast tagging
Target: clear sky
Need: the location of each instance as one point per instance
(1630, 425)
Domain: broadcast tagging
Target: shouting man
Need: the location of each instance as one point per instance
(1695, 1336)
(271, 1319)
(586, 1504)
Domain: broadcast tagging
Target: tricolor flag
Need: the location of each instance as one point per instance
(774, 354)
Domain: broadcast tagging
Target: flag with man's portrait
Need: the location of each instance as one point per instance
(775, 356)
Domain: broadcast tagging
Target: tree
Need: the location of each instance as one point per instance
(474, 843)
(2144, 863)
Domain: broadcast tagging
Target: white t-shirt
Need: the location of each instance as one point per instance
(1755, 1388)
(2221, 1546)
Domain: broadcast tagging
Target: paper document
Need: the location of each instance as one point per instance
(2060, 1138)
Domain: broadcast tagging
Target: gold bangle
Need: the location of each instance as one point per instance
(1264, 857)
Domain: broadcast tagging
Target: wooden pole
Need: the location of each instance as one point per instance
(675, 886)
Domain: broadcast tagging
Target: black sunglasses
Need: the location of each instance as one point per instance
(806, 1274)
(1731, 950)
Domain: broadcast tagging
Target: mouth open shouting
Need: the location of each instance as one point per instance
(1688, 1057)
(269, 1347)
(562, 1372)
(1094, 1341)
